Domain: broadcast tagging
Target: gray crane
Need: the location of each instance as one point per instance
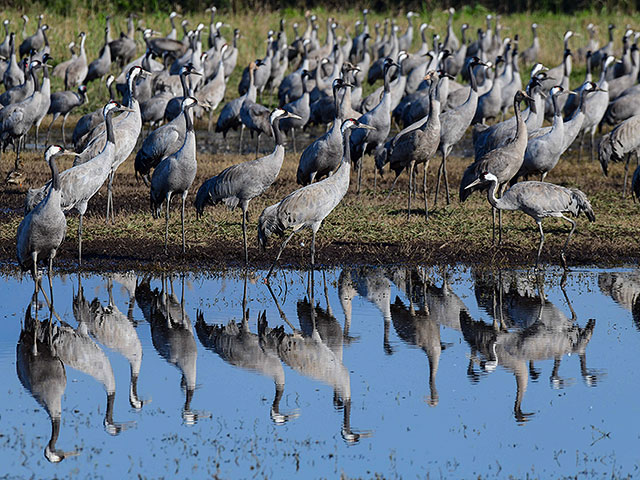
(230, 60)
(309, 205)
(34, 42)
(81, 182)
(13, 75)
(543, 152)
(454, 123)
(595, 107)
(503, 162)
(17, 119)
(165, 140)
(591, 46)
(42, 230)
(123, 49)
(61, 67)
(101, 65)
(127, 128)
(417, 143)
(42, 373)
(364, 141)
(490, 104)
(405, 40)
(239, 184)
(19, 92)
(175, 174)
(623, 140)
(324, 155)
(451, 42)
(539, 200)
(253, 115)
(77, 70)
(600, 55)
(62, 103)
(530, 55)
(301, 110)
(212, 92)
(91, 120)
(5, 46)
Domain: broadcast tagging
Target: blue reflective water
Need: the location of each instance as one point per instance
(395, 371)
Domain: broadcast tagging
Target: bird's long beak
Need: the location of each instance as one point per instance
(126, 109)
(366, 127)
(69, 152)
(293, 115)
(477, 181)
(598, 89)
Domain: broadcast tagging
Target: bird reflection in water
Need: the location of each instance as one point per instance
(624, 289)
(306, 351)
(238, 346)
(43, 374)
(526, 328)
(111, 328)
(419, 322)
(172, 337)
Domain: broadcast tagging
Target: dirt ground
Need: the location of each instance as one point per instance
(364, 229)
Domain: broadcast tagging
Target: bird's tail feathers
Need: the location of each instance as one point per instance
(34, 197)
(583, 204)
(268, 224)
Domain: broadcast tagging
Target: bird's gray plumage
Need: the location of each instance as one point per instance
(101, 65)
(90, 120)
(42, 230)
(176, 173)
(622, 141)
(34, 42)
(62, 103)
(13, 75)
(18, 93)
(77, 70)
(239, 184)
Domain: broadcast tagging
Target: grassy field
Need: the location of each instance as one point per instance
(366, 229)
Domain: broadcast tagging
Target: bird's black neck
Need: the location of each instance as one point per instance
(111, 94)
(346, 146)
(277, 134)
(46, 40)
(185, 89)
(36, 82)
(472, 78)
(55, 176)
(111, 138)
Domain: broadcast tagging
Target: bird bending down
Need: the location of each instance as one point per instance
(309, 206)
(176, 173)
(42, 230)
(243, 182)
(539, 200)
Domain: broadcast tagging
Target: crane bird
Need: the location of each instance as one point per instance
(539, 200)
(42, 230)
(622, 140)
(503, 162)
(176, 173)
(62, 103)
(239, 184)
(309, 206)
(81, 182)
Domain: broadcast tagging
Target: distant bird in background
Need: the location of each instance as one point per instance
(622, 140)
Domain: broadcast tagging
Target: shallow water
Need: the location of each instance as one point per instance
(409, 371)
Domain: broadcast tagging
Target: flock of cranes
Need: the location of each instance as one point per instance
(325, 85)
(524, 328)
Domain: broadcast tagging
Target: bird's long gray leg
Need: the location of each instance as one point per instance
(493, 226)
(424, 191)
(499, 227)
(284, 244)
(241, 134)
(435, 200)
(110, 197)
(593, 141)
(80, 240)
(51, 255)
(244, 235)
(446, 178)
(210, 120)
(411, 166)
(541, 243)
(166, 224)
(582, 134)
(184, 243)
(393, 185)
(34, 271)
(626, 174)
(566, 244)
(258, 145)
(313, 247)
(64, 121)
(364, 149)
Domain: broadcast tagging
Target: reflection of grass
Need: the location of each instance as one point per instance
(254, 29)
(365, 229)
